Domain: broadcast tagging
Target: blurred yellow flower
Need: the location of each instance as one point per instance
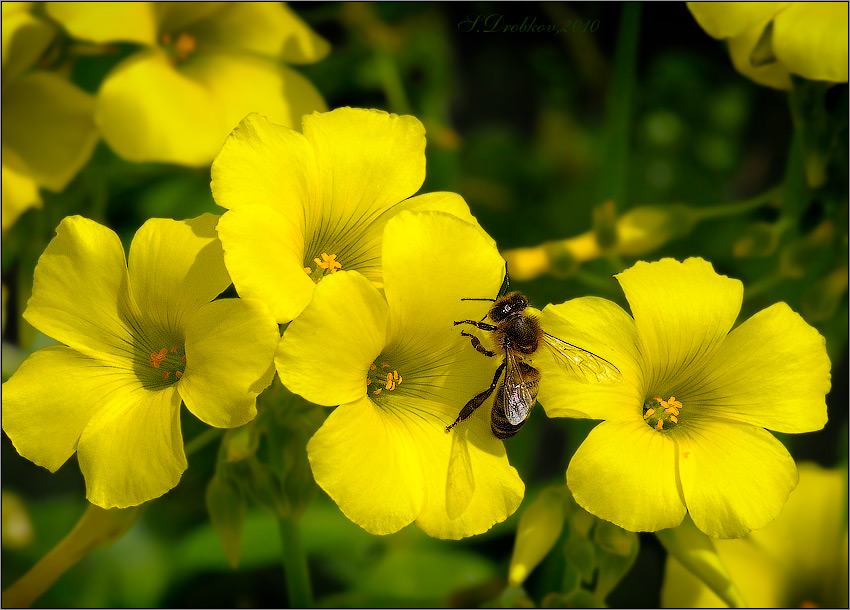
(770, 40)
(48, 124)
(798, 561)
(202, 68)
(301, 207)
(400, 371)
(687, 429)
(139, 341)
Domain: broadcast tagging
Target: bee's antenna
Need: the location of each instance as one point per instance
(506, 283)
(481, 299)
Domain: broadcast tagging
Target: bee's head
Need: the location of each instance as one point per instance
(510, 304)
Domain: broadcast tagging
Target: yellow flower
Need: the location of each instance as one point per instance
(798, 561)
(48, 125)
(686, 431)
(328, 193)
(138, 342)
(400, 372)
(770, 40)
(202, 68)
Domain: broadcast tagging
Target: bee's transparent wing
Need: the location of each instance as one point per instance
(586, 365)
(516, 395)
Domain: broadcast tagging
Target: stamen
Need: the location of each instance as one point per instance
(168, 361)
(157, 358)
(184, 45)
(328, 262)
(383, 376)
(658, 412)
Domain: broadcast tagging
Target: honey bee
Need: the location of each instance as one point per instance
(517, 336)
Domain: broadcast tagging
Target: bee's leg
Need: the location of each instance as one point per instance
(476, 343)
(479, 325)
(478, 399)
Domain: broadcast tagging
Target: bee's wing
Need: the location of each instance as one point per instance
(516, 393)
(588, 366)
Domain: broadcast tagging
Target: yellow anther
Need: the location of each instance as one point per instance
(157, 358)
(372, 367)
(659, 411)
(328, 262)
(378, 391)
(173, 348)
(178, 374)
(184, 45)
(385, 365)
(397, 377)
(307, 270)
(164, 375)
(368, 381)
(390, 382)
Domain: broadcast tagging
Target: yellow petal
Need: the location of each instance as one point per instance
(265, 28)
(810, 39)
(148, 111)
(264, 253)
(325, 354)
(176, 17)
(771, 372)
(20, 191)
(107, 21)
(51, 398)
(488, 485)
(49, 124)
(625, 472)
(80, 293)
(468, 266)
(357, 182)
(241, 84)
(176, 266)
(262, 163)
(798, 558)
(25, 38)
(604, 329)
(367, 461)
(735, 477)
(683, 312)
(132, 449)
(774, 74)
(230, 346)
(727, 19)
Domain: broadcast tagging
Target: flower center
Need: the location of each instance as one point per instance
(179, 48)
(661, 414)
(326, 264)
(382, 377)
(169, 364)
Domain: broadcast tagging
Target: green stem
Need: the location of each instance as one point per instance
(756, 288)
(202, 440)
(620, 103)
(96, 527)
(738, 207)
(295, 568)
(391, 82)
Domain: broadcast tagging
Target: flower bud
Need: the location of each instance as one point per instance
(539, 528)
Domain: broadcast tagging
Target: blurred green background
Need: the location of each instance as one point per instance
(536, 131)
